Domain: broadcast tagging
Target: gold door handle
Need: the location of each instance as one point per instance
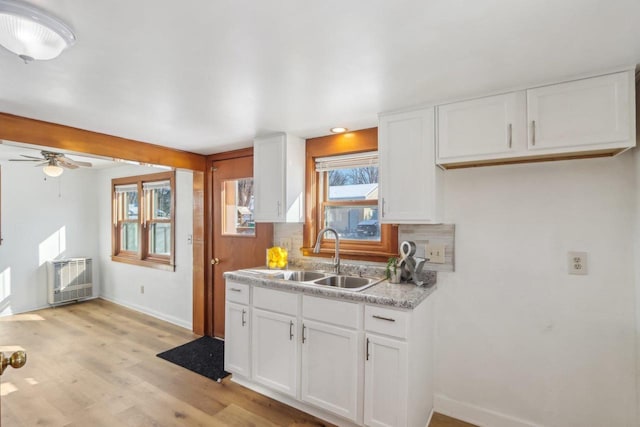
(17, 360)
(215, 261)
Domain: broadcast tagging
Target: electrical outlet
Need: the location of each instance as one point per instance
(577, 262)
(285, 242)
(435, 253)
(142, 289)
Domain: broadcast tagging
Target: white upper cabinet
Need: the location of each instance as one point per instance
(588, 117)
(494, 126)
(583, 113)
(278, 174)
(410, 183)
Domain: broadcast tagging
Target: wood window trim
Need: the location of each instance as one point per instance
(142, 256)
(333, 145)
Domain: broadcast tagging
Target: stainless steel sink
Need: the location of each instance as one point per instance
(303, 276)
(351, 283)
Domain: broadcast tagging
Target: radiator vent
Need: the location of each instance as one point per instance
(69, 279)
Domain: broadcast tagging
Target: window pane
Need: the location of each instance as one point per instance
(160, 238)
(353, 222)
(353, 184)
(237, 207)
(130, 199)
(129, 237)
(161, 202)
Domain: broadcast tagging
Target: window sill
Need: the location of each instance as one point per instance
(159, 265)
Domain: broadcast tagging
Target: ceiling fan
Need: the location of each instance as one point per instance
(54, 163)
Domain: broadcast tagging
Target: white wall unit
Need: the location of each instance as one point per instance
(278, 171)
(590, 112)
(587, 117)
(490, 127)
(410, 187)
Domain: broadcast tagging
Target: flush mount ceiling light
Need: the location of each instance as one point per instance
(52, 169)
(31, 33)
(338, 130)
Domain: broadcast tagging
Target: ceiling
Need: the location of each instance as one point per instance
(208, 75)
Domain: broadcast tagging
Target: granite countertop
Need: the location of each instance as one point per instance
(403, 295)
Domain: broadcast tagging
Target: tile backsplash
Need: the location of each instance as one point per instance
(290, 236)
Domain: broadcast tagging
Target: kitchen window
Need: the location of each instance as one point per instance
(342, 192)
(143, 213)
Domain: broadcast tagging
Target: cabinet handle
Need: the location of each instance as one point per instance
(510, 134)
(304, 338)
(290, 330)
(388, 319)
(278, 207)
(244, 322)
(533, 132)
(384, 204)
(235, 289)
(367, 351)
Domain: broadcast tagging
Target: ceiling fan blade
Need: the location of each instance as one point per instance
(70, 161)
(65, 163)
(31, 157)
(25, 160)
(41, 164)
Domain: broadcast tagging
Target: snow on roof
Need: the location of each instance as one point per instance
(353, 192)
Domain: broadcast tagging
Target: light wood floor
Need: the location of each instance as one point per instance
(94, 364)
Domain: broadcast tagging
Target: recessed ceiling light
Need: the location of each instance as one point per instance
(338, 130)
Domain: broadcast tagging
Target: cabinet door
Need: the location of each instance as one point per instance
(408, 178)
(482, 128)
(581, 113)
(274, 351)
(330, 371)
(385, 382)
(269, 173)
(236, 343)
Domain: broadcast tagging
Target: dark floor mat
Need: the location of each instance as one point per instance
(204, 356)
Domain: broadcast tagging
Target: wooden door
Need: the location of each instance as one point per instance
(238, 242)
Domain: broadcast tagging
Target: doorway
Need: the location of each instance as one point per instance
(238, 242)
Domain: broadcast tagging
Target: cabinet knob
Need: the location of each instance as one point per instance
(16, 360)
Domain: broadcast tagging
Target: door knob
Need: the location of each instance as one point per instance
(215, 261)
(17, 360)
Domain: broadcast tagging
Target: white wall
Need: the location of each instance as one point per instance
(167, 295)
(42, 219)
(518, 340)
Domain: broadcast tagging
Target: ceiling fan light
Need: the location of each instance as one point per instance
(30, 33)
(52, 170)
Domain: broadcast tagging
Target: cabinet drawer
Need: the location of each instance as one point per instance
(278, 301)
(340, 313)
(237, 292)
(386, 321)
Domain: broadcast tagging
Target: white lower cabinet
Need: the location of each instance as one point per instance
(237, 343)
(386, 382)
(348, 362)
(275, 351)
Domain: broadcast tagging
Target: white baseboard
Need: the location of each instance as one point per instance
(153, 313)
(41, 307)
(477, 415)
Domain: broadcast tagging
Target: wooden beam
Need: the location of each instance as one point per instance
(30, 131)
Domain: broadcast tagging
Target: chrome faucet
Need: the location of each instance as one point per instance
(336, 258)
